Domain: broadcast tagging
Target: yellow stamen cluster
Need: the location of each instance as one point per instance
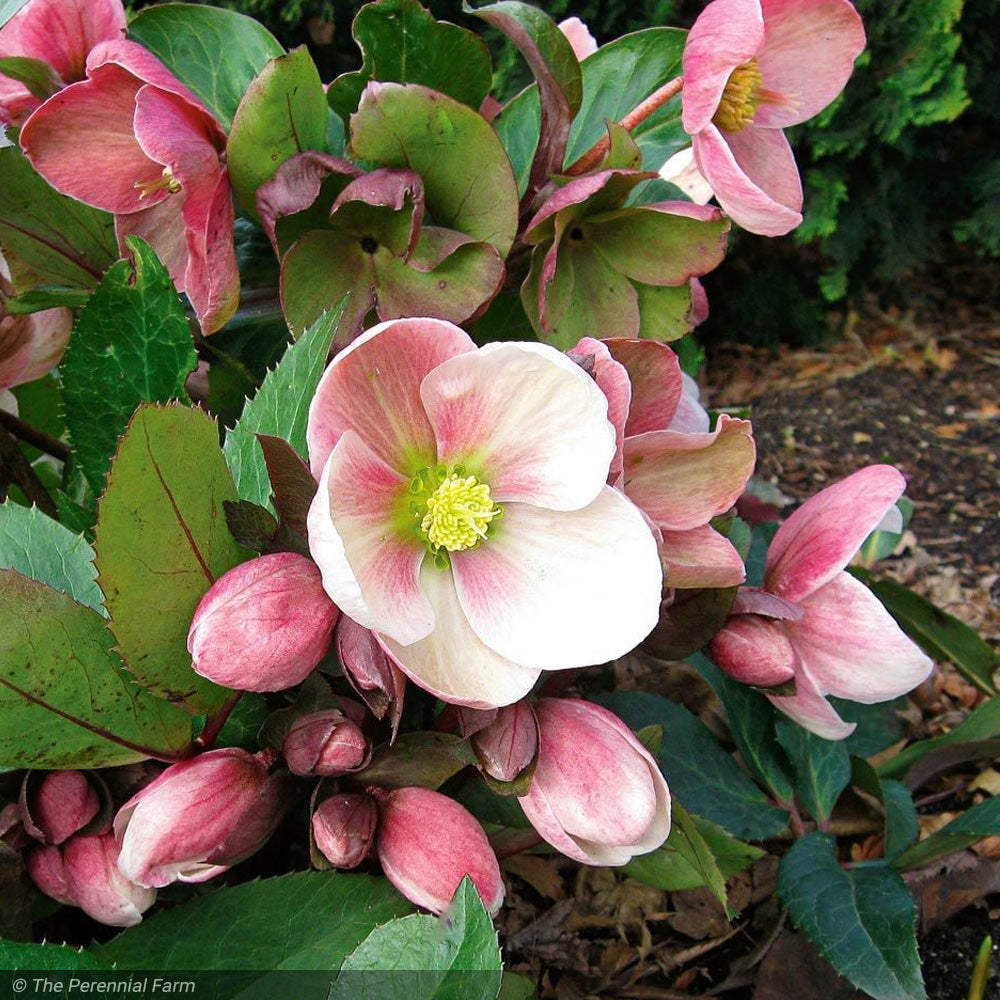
(458, 514)
(166, 181)
(739, 99)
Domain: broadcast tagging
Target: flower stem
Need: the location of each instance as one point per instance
(636, 116)
(32, 435)
(214, 723)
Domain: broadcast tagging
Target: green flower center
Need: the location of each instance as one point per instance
(454, 511)
(739, 99)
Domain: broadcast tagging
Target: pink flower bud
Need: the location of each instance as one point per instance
(97, 884)
(200, 816)
(596, 794)
(325, 743)
(377, 680)
(264, 625)
(58, 804)
(343, 828)
(48, 872)
(508, 744)
(427, 843)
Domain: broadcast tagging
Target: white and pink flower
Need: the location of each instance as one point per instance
(752, 68)
(816, 626)
(463, 513)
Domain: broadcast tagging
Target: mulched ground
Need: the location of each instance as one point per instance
(919, 388)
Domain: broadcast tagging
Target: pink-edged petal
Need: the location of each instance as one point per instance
(578, 35)
(31, 346)
(62, 33)
(700, 557)
(754, 177)
(373, 387)
(820, 538)
(681, 480)
(141, 63)
(613, 380)
(562, 589)
(691, 417)
(807, 57)
(657, 385)
(811, 710)
(726, 34)
(852, 647)
(82, 142)
(370, 566)
(452, 662)
(525, 417)
(754, 651)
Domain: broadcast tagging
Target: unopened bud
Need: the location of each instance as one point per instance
(263, 626)
(47, 870)
(58, 804)
(377, 680)
(98, 886)
(325, 743)
(343, 828)
(509, 743)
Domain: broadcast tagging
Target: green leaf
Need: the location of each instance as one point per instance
(16, 956)
(467, 178)
(215, 52)
(516, 987)
(701, 774)
(161, 542)
(424, 759)
(822, 768)
(455, 957)
(861, 921)
(619, 77)
(282, 114)
(982, 820)
(41, 80)
(939, 634)
(901, 824)
(881, 543)
(47, 297)
(751, 721)
(685, 861)
(8, 8)
(403, 43)
(981, 727)
(47, 237)
(44, 550)
(280, 408)
(131, 345)
(556, 71)
(306, 920)
(62, 687)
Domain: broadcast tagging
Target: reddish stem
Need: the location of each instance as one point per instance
(636, 116)
(214, 723)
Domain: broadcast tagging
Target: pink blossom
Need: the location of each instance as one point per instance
(596, 794)
(343, 828)
(427, 843)
(200, 816)
(59, 33)
(680, 474)
(58, 804)
(752, 68)
(133, 140)
(325, 743)
(579, 37)
(462, 512)
(815, 625)
(264, 625)
(97, 885)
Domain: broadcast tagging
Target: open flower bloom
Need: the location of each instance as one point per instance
(58, 33)
(596, 794)
(462, 512)
(30, 345)
(133, 140)
(752, 68)
(813, 624)
(668, 463)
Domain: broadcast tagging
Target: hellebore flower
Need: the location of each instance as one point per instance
(200, 817)
(752, 68)
(264, 625)
(462, 512)
(97, 885)
(596, 794)
(364, 234)
(58, 804)
(680, 474)
(325, 743)
(133, 140)
(343, 828)
(57, 34)
(815, 625)
(373, 675)
(599, 265)
(427, 843)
